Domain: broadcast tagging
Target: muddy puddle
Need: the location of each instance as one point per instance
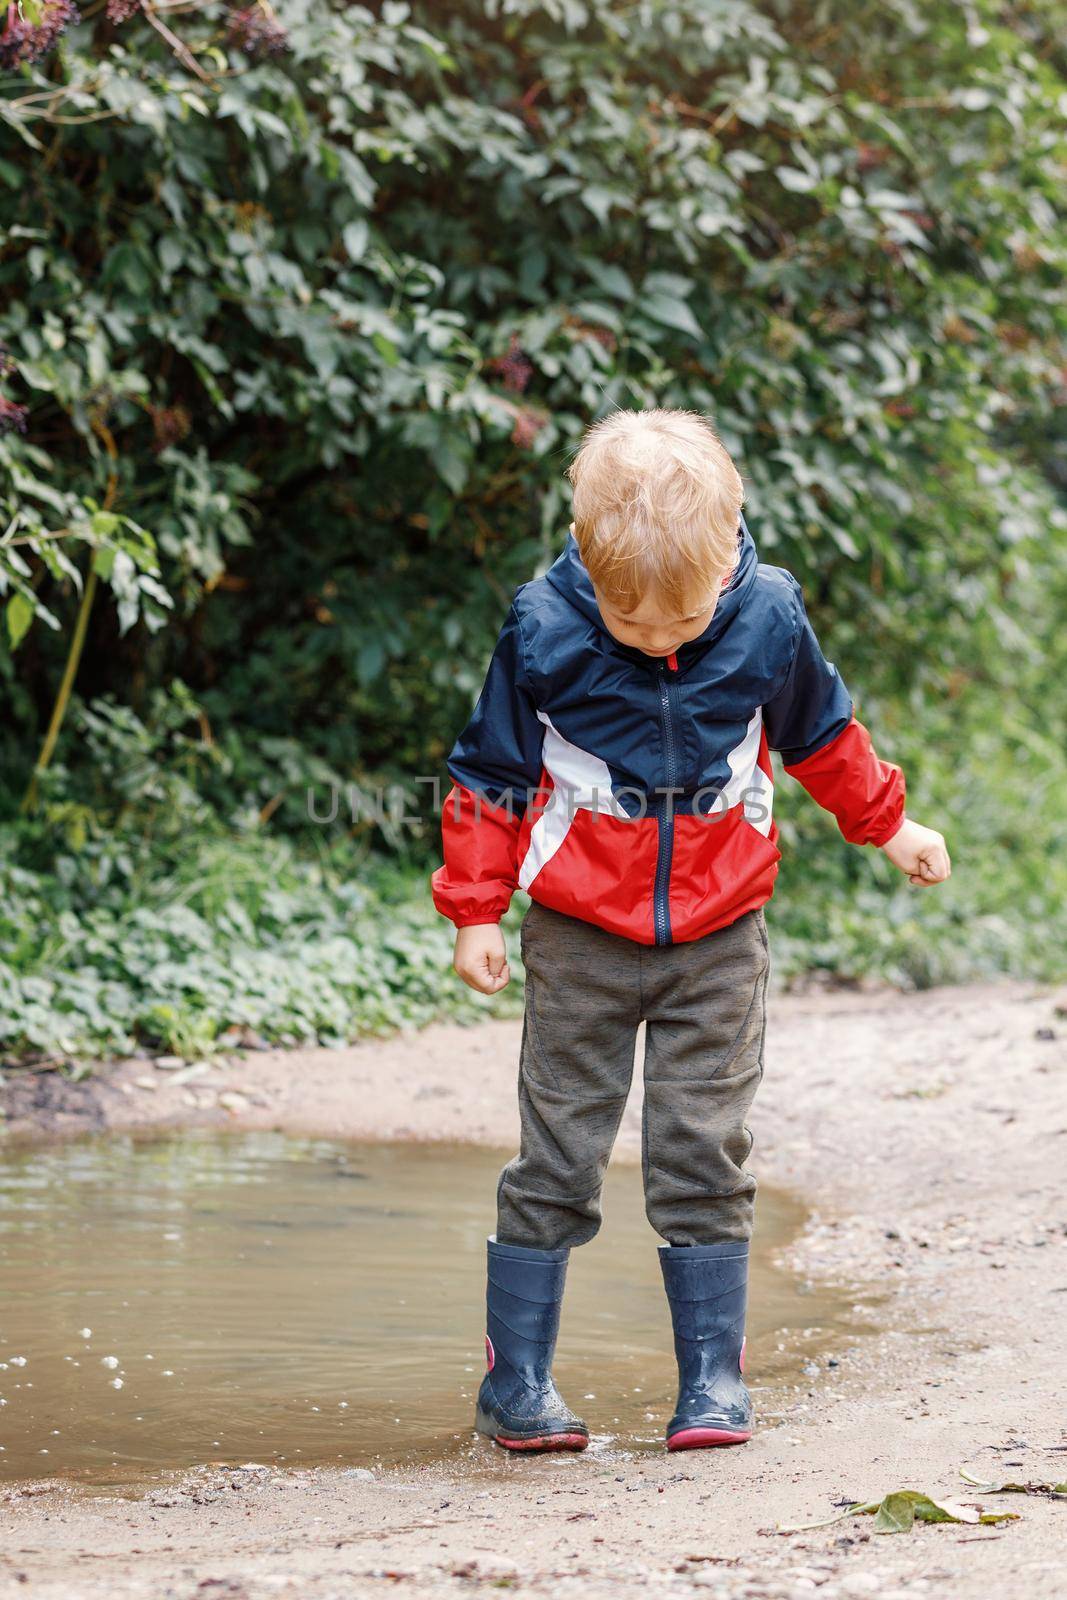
(260, 1298)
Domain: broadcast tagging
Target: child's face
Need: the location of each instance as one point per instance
(651, 628)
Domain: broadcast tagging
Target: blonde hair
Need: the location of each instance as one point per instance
(656, 507)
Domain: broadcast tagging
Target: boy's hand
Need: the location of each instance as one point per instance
(481, 958)
(920, 852)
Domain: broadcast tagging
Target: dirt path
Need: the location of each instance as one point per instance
(929, 1132)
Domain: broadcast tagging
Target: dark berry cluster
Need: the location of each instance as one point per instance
(257, 31)
(514, 369)
(12, 417)
(23, 42)
(527, 425)
(171, 424)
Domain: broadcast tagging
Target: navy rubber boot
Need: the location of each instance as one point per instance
(519, 1406)
(707, 1287)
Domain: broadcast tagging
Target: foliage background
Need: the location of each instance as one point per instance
(306, 309)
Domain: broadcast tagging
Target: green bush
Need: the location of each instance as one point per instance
(305, 310)
(240, 934)
(327, 321)
(132, 915)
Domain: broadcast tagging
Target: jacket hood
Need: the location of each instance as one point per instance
(568, 575)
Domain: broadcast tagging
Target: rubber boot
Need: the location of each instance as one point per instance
(519, 1406)
(707, 1287)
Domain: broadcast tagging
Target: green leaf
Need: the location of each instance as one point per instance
(896, 1514)
(610, 279)
(354, 237)
(171, 252)
(103, 563)
(899, 1511)
(386, 349)
(18, 614)
(600, 201)
(794, 179)
(928, 1509)
(671, 314)
(452, 464)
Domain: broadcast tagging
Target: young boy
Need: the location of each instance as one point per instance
(617, 768)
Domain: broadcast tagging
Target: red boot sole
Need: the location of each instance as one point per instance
(548, 1441)
(704, 1438)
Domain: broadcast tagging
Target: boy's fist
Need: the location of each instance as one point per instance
(920, 852)
(480, 957)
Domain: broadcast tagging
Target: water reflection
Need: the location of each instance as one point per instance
(258, 1297)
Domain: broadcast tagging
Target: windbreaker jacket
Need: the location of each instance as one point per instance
(636, 793)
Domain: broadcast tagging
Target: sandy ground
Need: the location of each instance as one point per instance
(929, 1134)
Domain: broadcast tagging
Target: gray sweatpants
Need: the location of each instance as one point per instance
(702, 1003)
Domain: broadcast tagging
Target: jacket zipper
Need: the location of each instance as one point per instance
(661, 910)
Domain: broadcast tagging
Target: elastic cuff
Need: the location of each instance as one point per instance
(886, 832)
(521, 1252)
(480, 921)
(728, 1249)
